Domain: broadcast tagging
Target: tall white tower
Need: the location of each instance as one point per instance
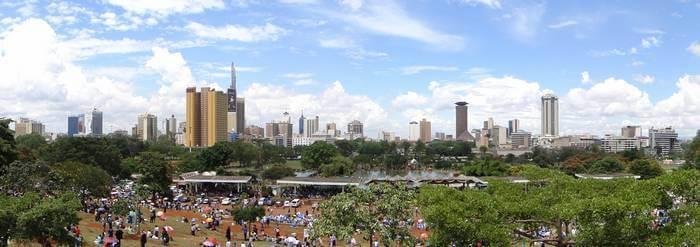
(550, 115)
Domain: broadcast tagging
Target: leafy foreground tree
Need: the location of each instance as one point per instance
(23, 177)
(379, 210)
(8, 149)
(32, 218)
(318, 154)
(154, 170)
(583, 212)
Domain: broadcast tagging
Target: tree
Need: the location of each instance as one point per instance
(339, 166)
(221, 154)
(84, 180)
(96, 151)
(277, 172)
(155, 171)
(346, 147)
(8, 152)
(23, 177)
(486, 167)
(318, 154)
(645, 168)
(32, 218)
(607, 165)
(28, 146)
(376, 211)
(247, 214)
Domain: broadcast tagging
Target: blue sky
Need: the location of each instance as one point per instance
(384, 62)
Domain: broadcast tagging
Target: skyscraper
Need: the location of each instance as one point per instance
(631, 131)
(664, 141)
(513, 126)
(206, 117)
(232, 97)
(550, 115)
(193, 111)
(73, 125)
(27, 126)
(147, 127)
(355, 129)
(331, 129)
(413, 131)
(311, 126)
(301, 123)
(171, 127)
(96, 123)
(425, 131)
(462, 121)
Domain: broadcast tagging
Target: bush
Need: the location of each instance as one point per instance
(277, 172)
(248, 214)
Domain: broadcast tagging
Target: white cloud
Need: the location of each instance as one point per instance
(650, 41)
(167, 7)
(644, 79)
(684, 105)
(524, 21)
(409, 99)
(298, 75)
(248, 69)
(585, 77)
(494, 4)
(267, 102)
(304, 82)
(268, 32)
(352, 4)
(694, 48)
(342, 43)
(47, 85)
(637, 63)
(298, 1)
(410, 70)
(352, 50)
(563, 24)
(478, 73)
(389, 18)
(612, 97)
(301, 79)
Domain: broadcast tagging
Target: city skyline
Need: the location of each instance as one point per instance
(330, 58)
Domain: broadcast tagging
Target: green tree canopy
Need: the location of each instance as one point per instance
(154, 170)
(339, 166)
(34, 218)
(96, 151)
(8, 148)
(646, 168)
(277, 172)
(29, 146)
(24, 177)
(84, 179)
(318, 154)
(486, 166)
(364, 210)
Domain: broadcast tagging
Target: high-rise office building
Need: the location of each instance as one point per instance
(255, 131)
(664, 141)
(147, 127)
(231, 92)
(280, 133)
(499, 135)
(27, 126)
(462, 121)
(513, 126)
(171, 127)
(520, 139)
(311, 126)
(440, 136)
(235, 107)
(550, 115)
(355, 129)
(425, 131)
(631, 131)
(413, 131)
(302, 119)
(332, 130)
(74, 124)
(96, 122)
(206, 117)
